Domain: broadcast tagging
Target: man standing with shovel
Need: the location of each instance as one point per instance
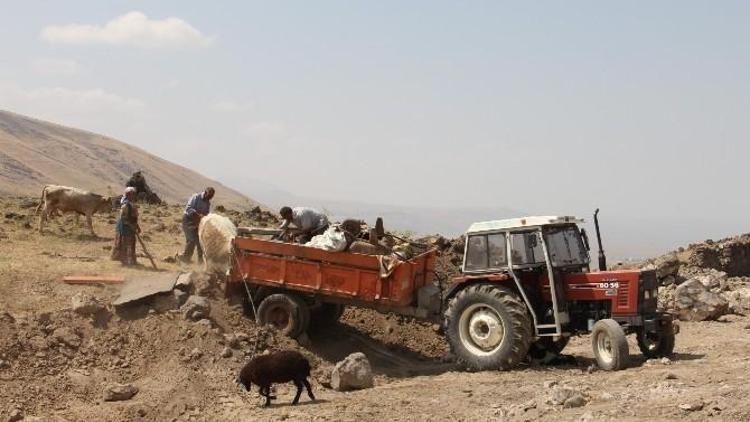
(198, 206)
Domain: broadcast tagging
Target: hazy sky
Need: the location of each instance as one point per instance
(640, 108)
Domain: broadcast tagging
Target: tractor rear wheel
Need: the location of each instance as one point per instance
(288, 313)
(610, 345)
(488, 327)
(657, 344)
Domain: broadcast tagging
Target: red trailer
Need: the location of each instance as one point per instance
(293, 285)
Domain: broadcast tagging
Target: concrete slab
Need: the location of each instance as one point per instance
(138, 288)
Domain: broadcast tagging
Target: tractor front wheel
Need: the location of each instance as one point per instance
(657, 344)
(488, 327)
(288, 313)
(610, 345)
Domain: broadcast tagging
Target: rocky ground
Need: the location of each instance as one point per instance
(67, 355)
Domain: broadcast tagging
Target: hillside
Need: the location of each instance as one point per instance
(34, 153)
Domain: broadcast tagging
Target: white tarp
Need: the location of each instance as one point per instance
(332, 239)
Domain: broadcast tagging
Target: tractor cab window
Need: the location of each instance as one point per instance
(485, 252)
(566, 246)
(498, 258)
(527, 249)
(476, 253)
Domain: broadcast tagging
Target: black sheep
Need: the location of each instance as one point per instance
(283, 366)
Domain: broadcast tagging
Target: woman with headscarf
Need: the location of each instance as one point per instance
(126, 229)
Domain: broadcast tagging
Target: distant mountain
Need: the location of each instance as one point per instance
(34, 153)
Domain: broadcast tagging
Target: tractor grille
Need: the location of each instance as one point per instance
(622, 294)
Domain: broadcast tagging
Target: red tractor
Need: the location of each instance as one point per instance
(527, 287)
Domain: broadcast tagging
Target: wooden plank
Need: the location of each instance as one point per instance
(95, 279)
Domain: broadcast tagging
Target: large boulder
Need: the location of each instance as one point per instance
(695, 302)
(352, 373)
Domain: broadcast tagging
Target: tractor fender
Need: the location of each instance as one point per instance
(459, 283)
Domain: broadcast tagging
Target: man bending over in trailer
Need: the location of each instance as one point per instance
(307, 222)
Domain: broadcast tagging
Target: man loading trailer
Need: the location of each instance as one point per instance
(307, 222)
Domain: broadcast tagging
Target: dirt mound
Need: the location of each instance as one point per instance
(57, 357)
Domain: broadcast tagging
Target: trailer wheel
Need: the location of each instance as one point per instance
(657, 344)
(326, 315)
(288, 313)
(488, 327)
(610, 345)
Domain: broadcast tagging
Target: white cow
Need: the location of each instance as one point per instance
(66, 199)
(215, 232)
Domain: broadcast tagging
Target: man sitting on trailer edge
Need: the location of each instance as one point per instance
(307, 222)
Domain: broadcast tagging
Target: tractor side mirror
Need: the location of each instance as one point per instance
(585, 238)
(532, 240)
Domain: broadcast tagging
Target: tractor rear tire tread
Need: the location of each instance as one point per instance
(665, 346)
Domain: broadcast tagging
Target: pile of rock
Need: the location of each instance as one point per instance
(706, 280)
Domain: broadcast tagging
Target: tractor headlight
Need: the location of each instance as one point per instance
(647, 294)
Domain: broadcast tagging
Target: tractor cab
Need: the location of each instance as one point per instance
(526, 243)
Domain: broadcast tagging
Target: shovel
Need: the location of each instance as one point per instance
(145, 251)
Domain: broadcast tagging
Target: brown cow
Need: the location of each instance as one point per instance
(66, 199)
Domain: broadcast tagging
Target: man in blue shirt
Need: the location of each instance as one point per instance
(198, 206)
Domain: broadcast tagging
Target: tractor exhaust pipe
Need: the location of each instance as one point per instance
(602, 257)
